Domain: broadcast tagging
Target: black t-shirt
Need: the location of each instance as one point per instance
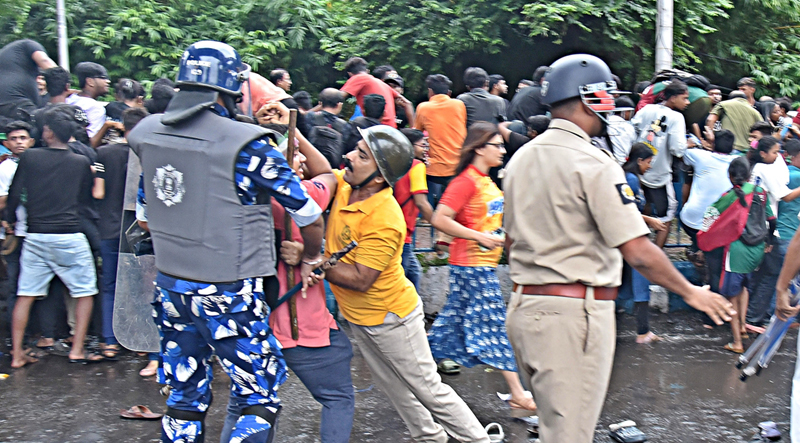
(526, 103)
(114, 110)
(57, 183)
(18, 72)
(112, 167)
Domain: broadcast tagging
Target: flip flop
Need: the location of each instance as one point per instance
(139, 412)
(729, 347)
(30, 352)
(88, 358)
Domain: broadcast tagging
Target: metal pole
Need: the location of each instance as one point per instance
(664, 35)
(63, 52)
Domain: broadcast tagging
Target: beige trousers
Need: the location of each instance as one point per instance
(401, 364)
(565, 350)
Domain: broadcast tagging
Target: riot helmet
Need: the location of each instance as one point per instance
(214, 65)
(584, 76)
(392, 151)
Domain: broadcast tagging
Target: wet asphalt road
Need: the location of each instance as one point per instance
(685, 389)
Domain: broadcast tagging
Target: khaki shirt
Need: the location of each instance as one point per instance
(568, 208)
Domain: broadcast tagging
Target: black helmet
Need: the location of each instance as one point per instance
(584, 76)
(392, 151)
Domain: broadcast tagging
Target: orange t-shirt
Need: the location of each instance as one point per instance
(377, 225)
(479, 205)
(445, 119)
(363, 84)
(404, 190)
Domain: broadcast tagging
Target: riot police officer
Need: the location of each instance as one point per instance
(569, 229)
(207, 183)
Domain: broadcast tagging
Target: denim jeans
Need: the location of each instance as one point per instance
(411, 265)
(762, 286)
(109, 250)
(436, 187)
(325, 372)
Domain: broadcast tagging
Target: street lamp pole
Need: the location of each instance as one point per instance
(63, 51)
(664, 30)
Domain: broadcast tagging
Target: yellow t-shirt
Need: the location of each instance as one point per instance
(377, 225)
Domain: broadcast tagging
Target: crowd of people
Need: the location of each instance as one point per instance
(569, 177)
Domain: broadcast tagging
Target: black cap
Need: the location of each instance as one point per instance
(86, 70)
(396, 79)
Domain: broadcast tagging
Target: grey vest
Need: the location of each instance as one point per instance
(201, 230)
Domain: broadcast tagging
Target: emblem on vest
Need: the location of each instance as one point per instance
(168, 184)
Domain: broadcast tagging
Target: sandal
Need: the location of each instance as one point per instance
(731, 348)
(37, 354)
(139, 412)
(495, 432)
(110, 352)
(88, 358)
(449, 367)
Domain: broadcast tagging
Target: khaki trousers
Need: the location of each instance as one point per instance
(565, 350)
(401, 363)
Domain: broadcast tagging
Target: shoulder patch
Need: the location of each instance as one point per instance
(626, 193)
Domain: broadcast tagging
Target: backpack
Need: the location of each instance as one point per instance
(720, 230)
(328, 139)
(755, 229)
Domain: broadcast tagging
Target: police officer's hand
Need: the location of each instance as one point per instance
(713, 304)
(782, 308)
(291, 252)
(489, 241)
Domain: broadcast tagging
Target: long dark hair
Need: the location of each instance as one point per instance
(639, 151)
(477, 136)
(739, 173)
(764, 145)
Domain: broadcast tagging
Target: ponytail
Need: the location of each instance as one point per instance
(739, 173)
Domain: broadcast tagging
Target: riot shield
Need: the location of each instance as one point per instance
(133, 320)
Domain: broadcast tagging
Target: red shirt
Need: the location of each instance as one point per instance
(478, 204)
(363, 84)
(404, 190)
(314, 321)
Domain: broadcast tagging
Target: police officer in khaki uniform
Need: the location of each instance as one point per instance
(570, 219)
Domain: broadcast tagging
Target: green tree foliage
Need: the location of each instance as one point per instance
(145, 38)
(724, 39)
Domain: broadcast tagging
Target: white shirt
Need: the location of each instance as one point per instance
(668, 142)
(623, 136)
(95, 111)
(7, 170)
(774, 178)
(710, 182)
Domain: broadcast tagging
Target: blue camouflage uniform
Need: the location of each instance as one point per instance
(230, 319)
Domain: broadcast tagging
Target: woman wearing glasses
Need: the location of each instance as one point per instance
(470, 329)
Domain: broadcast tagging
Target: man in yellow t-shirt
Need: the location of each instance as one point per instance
(378, 300)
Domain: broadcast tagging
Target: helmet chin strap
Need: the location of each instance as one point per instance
(366, 180)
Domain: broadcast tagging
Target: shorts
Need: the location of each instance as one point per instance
(66, 255)
(662, 201)
(732, 283)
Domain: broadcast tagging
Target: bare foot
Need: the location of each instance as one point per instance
(647, 338)
(150, 370)
(45, 342)
(20, 361)
(522, 403)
